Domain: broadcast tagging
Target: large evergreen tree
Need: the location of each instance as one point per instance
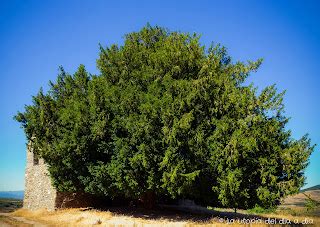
(169, 117)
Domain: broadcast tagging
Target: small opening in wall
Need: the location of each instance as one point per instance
(35, 159)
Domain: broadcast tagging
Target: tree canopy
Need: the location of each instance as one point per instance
(169, 116)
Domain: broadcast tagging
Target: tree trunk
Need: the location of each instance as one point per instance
(148, 200)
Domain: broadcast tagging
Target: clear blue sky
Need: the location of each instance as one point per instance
(38, 36)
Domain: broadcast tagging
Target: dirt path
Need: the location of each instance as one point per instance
(8, 220)
(3, 224)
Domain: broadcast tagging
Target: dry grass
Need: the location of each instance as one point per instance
(85, 217)
(9, 221)
(293, 209)
(298, 200)
(82, 217)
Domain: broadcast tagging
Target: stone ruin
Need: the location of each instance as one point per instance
(39, 191)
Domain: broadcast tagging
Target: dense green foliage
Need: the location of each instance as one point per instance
(311, 204)
(167, 116)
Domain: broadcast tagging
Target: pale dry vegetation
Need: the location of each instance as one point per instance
(86, 217)
(83, 217)
(293, 208)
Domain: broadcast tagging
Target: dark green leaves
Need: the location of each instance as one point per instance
(168, 117)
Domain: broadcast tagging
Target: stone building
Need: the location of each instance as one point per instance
(39, 192)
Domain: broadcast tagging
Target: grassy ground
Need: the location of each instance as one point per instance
(10, 221)
(298, 204)
(7, 206)
(293, 209)
(136, 217)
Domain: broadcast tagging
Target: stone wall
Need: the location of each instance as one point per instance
(39, 192)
